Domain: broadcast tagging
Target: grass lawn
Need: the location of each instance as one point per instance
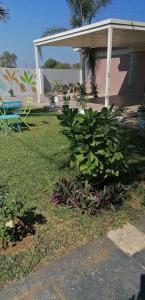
(30, 163)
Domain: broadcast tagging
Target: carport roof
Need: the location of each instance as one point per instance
(125, 34)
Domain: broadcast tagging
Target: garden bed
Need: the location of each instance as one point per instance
(23, 245)
(31, 163)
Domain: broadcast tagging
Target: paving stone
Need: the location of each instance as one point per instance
(128, 238)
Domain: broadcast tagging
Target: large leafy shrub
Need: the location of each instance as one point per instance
(86, 197)
(96, 145)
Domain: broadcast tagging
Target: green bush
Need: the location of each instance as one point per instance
(9, 210)
(96, 145)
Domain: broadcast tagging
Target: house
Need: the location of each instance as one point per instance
(119, 53)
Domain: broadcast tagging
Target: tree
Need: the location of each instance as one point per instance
(82, 13)
(53, 30)
(54, 64)
(8, 60)
(50, 64)
(4, 14)
(76, 66)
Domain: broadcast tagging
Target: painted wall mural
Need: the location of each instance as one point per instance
(17, 82)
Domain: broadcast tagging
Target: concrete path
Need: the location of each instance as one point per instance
(112, 268)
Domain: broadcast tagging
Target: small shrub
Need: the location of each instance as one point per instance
(15, 222)
(9, 211)
(96, 145)
(86, 198)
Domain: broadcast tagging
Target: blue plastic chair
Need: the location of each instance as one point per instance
(10, 110)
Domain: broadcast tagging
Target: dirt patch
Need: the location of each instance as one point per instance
(23, 245)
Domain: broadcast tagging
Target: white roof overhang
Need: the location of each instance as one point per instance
(126, 34)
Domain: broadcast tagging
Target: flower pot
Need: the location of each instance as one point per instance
(52, 106)
(56, 98)
(82, 111)
(60, 97)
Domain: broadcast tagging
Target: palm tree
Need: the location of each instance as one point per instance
(4, 14)
(82, 13)
(53, 30)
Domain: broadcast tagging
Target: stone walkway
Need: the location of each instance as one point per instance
(112, 268)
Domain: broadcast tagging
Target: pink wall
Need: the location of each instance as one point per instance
(126, 88)
(119, 70)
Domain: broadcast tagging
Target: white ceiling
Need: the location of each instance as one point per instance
(125, 34)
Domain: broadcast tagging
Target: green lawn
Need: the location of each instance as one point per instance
(30, 163)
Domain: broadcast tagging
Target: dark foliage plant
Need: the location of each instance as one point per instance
(97, 147)
(86, 197)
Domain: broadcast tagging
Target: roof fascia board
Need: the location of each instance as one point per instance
(71, 35)
(80, 30)
(114, 23)
(128, 27)
(127, 22)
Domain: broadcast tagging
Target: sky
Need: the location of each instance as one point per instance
(30, 18)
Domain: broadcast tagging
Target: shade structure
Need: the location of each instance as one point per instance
(110, 33)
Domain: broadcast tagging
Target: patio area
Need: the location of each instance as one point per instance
(109, 35)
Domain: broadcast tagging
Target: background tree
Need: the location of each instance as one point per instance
(76, 66)
(54, 64)
(83, 11)
(8, 60)
(4, 14)
(53, 30)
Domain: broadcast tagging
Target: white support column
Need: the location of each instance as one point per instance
(108, 67)
(37, 56)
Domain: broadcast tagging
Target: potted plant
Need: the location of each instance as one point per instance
(52, 102)
(11, 92)
(77, 89)
(66, 101)
(81, 104)
(56, 88)
(80, 97)
(94, 91)
(141, 114)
